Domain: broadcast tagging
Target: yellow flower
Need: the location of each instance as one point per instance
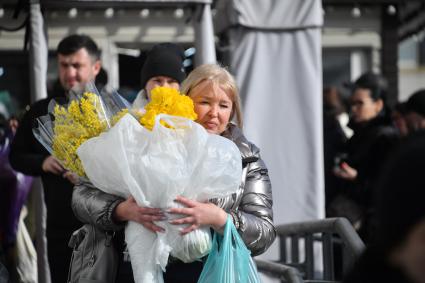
(166, 100)
(84, 119)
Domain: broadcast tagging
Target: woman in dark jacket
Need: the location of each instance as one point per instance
(366, 151)
(216, 102)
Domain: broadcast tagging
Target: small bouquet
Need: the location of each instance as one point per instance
(69, 123)
(154, 156)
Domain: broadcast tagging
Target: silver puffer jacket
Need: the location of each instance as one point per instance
(250, 208)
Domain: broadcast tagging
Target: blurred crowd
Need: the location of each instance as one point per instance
(373, 160)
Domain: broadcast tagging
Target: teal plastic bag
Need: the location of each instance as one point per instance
(229, 260)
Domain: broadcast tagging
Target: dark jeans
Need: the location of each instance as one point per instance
(125, 273)
(59, 255)
(177, 272)
(180, 272)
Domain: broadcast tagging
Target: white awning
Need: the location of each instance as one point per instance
(268, 14)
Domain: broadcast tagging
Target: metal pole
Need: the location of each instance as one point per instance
(389, 53)
(38, 73)
(38, 53)
(204, 36)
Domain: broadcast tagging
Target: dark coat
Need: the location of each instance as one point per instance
(367, 151)
(334, 140)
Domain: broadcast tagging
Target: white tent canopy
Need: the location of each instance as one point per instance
(268, 14)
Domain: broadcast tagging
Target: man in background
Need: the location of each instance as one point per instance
(78, 64)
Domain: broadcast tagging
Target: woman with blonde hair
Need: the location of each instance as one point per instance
(216, 100)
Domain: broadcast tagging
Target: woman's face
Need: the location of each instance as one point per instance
(363, 107)
(213, 106)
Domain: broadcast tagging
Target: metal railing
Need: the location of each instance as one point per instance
(329, 232)
(285, 273)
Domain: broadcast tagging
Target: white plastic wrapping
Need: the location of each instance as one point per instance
(154, 167)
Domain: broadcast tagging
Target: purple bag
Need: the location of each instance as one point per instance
(14, 189)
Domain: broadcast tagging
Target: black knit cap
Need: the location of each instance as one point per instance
(164, 59)
(416, 102)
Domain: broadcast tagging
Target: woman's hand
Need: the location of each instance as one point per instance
(128, 210)
(346, 172)
(198, 214)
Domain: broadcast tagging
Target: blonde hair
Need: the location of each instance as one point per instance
(220, 76)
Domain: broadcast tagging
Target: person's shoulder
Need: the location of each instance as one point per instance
(37, 108)
(249, 151)
(388, 132)
(382, 128)
(41, 104)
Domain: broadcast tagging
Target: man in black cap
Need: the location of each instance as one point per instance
(415, 111)
(163, 67)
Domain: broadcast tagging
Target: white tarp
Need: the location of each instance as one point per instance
(268, 14)
(280, 81)
(275, 51)
(38, 74)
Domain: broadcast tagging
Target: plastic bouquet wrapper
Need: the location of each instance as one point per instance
(70, 122)
(156, 158)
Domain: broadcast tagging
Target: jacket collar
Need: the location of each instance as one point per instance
(377, 121)
(249, 152)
